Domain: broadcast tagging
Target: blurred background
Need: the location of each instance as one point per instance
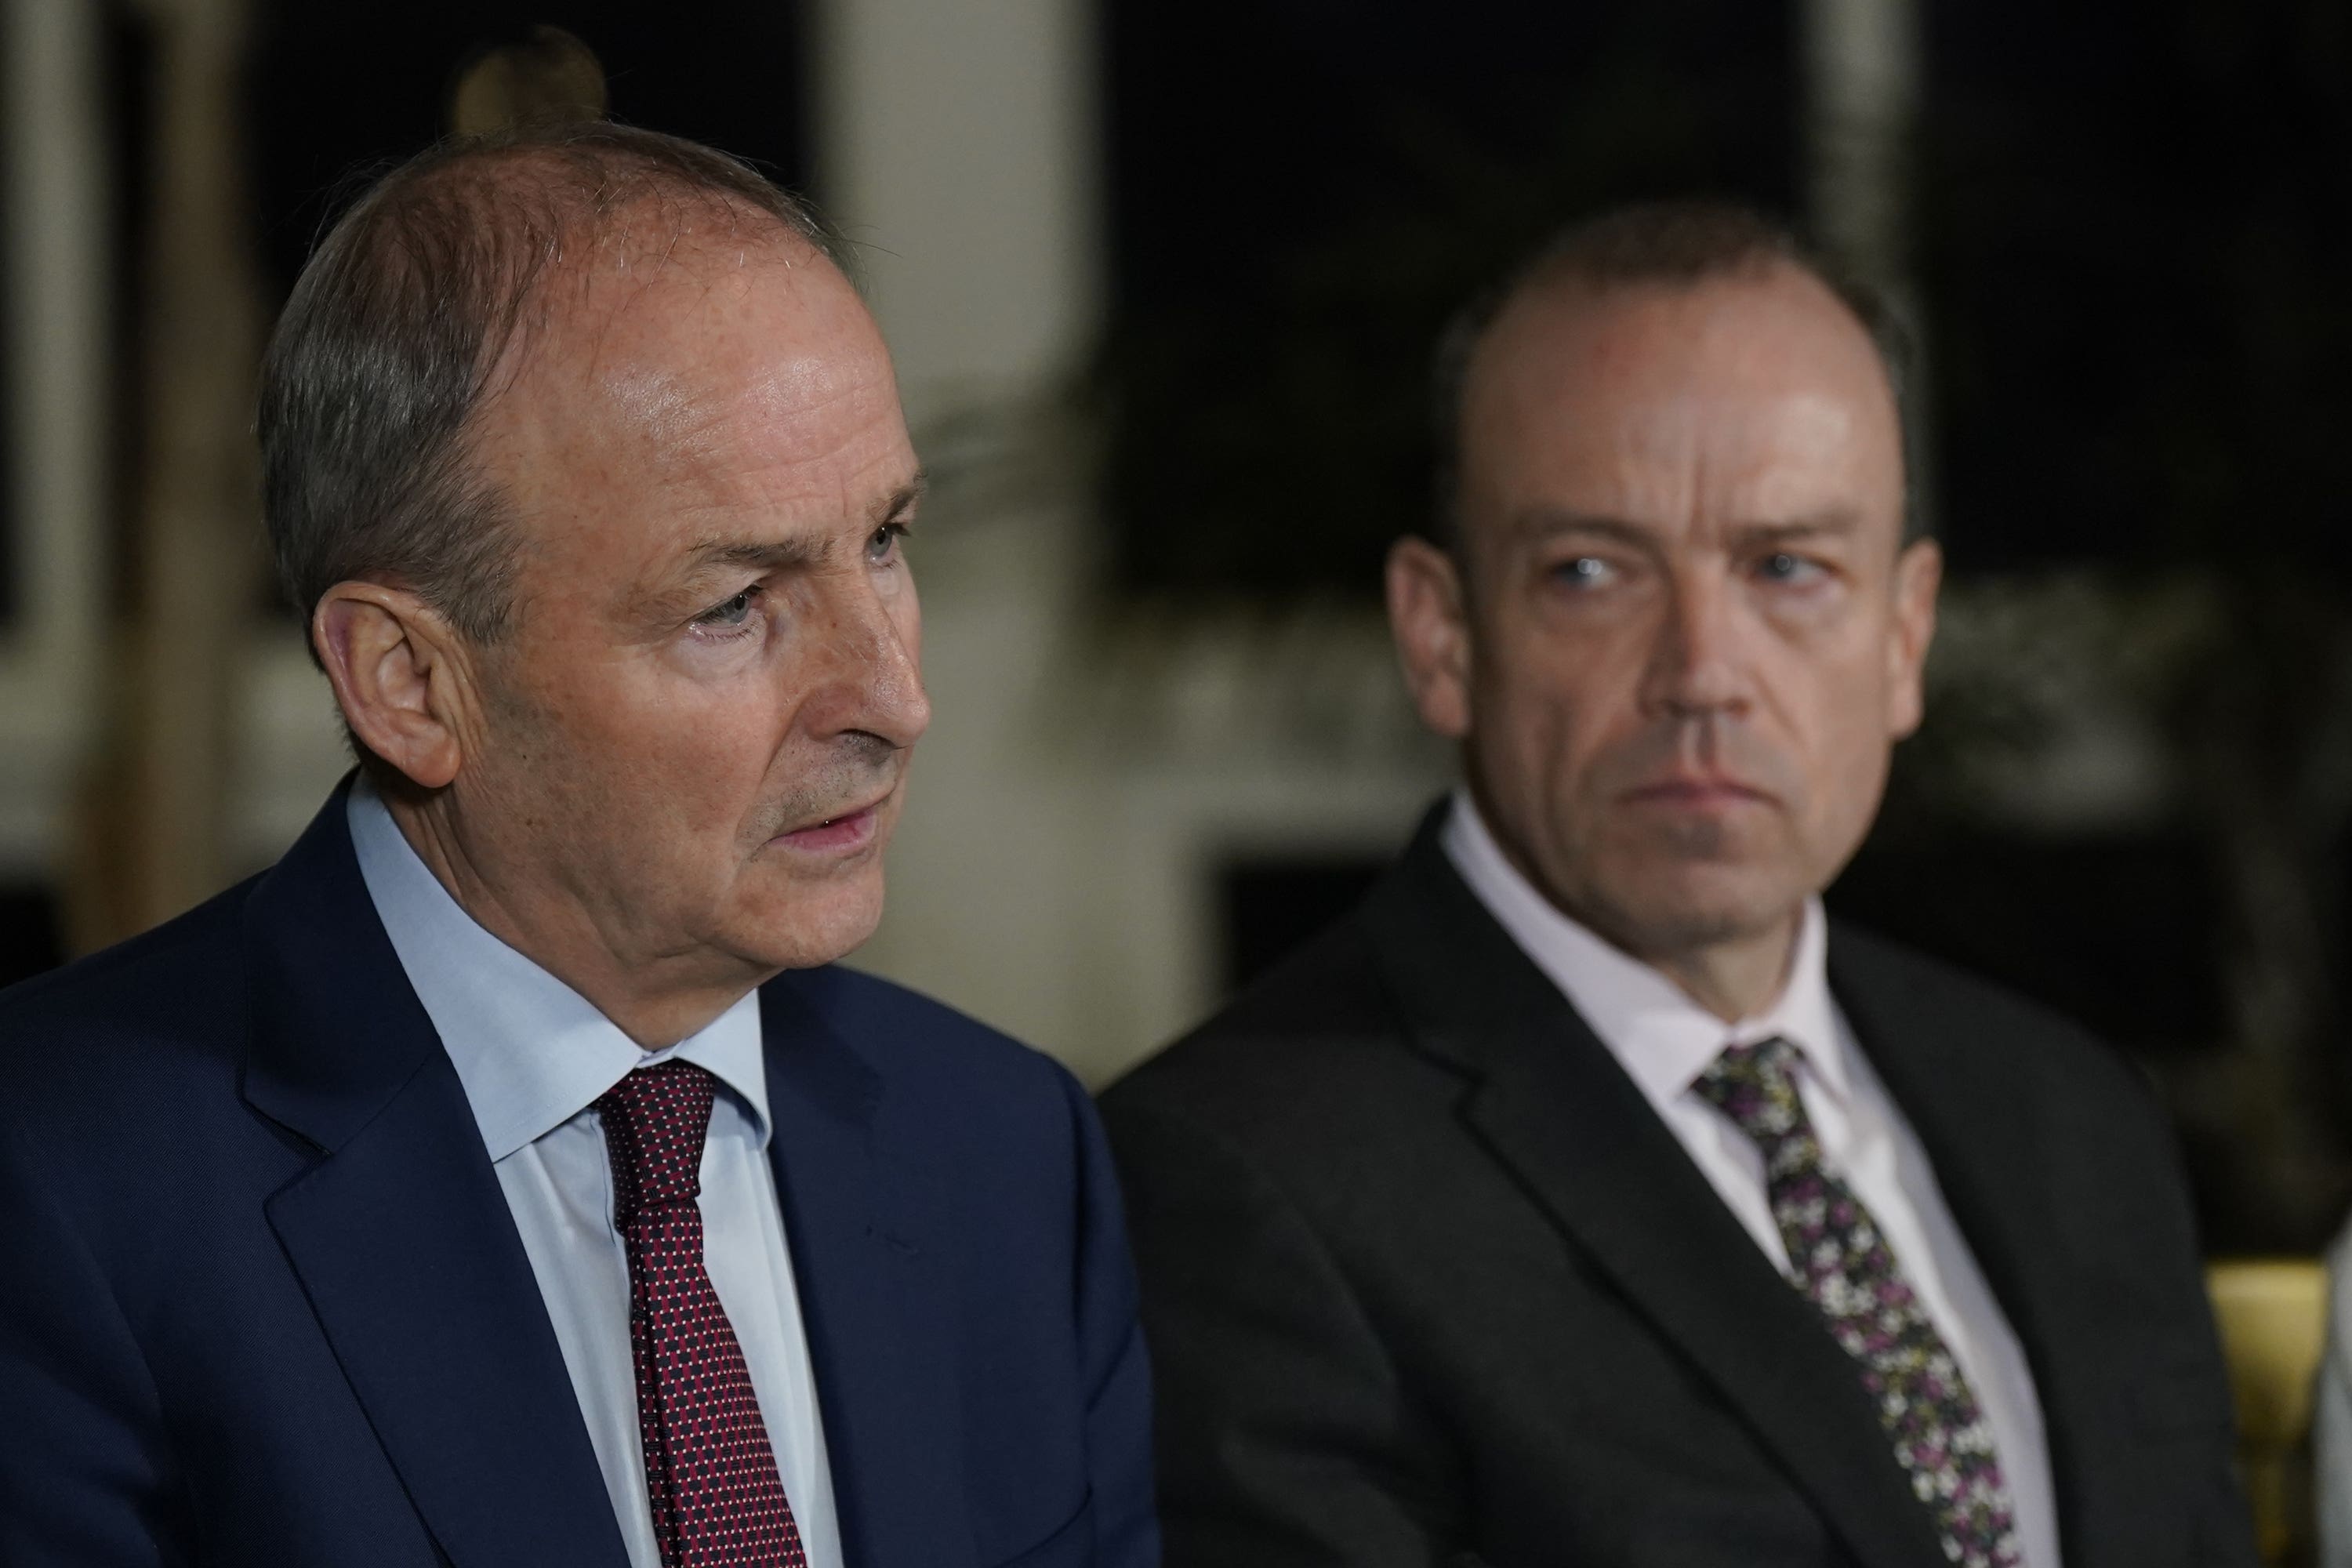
(1161, 281)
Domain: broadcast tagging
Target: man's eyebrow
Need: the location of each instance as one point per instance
(1832, 522)
(781, 555)
(764, 555)
(901, 501)
(1547, 522)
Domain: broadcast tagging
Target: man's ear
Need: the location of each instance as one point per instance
(1433, 634)
(1919, 574)
(399, 676)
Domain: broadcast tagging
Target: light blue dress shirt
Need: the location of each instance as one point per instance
(532, 1055)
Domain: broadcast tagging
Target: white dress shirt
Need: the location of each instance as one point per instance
(1664, 1040)
(532, 1055)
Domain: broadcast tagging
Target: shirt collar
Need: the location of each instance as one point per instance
(532, 1052)
(1663, 1039)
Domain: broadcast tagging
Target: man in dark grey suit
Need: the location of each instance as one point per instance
(1585, 1196)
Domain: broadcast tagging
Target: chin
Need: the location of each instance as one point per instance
(1719, 904)
(802, 927)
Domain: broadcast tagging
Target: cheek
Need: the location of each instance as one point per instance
(688, 753)
(1846, 746)
(708, 754)
(1539, 731)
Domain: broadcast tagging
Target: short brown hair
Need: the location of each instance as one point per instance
(1674, 243)
(400, 318)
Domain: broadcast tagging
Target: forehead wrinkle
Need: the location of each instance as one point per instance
(684, 422)
(796, 388)
(795, 494)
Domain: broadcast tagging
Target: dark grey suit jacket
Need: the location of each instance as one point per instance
(1427, 1281)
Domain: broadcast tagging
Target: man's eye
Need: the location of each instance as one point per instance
(731, 613)
(1782, 567)
(884, 542)
(1584, 571)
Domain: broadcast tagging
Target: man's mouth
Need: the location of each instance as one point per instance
(1698, 794)
(851, 829)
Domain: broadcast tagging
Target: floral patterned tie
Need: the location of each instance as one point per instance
(710, 1474)
(1845, 1266)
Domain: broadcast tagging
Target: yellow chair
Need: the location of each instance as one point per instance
(2272, 1315)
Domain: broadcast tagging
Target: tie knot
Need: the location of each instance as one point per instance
(1755, 1086)
(654, 1123)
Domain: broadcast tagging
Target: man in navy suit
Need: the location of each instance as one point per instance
(507, 1176)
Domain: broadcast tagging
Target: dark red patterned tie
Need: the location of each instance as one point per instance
(710, 1474)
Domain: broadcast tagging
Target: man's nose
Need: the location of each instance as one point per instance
(1693, 666)
(872, 677)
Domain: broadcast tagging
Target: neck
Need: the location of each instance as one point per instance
(1737, 977)
(656, 999)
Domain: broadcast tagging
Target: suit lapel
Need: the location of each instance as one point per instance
(400, 1235)
(1988, 1154)
(1554, 1108)
(869, 1297)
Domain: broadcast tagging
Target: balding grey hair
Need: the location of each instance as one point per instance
(1671, 244)
(406, 311)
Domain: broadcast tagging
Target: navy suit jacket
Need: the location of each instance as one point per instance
(261, 1300)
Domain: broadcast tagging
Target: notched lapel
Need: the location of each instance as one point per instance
(1553, 1107)
(405, 1247)
(1594, 1156)
(399, 1236)
(1987, 1154)
(1979, 1133)
(873, 1302)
